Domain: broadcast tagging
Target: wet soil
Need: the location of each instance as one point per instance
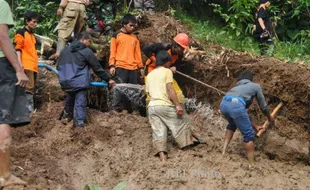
(114, 148)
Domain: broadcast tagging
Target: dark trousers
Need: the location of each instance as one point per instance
(120, 101)
(127, 76)
(265, 45)
(76, 102)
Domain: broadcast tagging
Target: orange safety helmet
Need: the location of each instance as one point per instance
(182, 39)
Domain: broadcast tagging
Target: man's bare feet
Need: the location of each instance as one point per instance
(163, 157)
(11, 180)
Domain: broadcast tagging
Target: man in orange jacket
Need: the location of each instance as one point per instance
(175, 50)
(125, 58)
(25, 46)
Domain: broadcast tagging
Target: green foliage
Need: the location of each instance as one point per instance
(239, 17)
(120, 186)
(92, 187)
(47, 12)
(209, 32)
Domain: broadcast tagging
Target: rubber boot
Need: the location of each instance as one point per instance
(60, 45)
(228, 136)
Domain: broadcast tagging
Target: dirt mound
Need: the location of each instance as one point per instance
(116, 148)
(281, 82)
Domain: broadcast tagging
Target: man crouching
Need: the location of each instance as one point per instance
(164, 109)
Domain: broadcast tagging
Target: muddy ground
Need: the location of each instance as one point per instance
(116, 148)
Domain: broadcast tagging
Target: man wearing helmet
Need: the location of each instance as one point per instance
(175, 50)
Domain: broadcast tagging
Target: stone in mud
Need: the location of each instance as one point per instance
(299, 150)
(119, 132)
(104, 124)
(283, 148)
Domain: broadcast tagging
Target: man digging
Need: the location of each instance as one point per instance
(233, 107)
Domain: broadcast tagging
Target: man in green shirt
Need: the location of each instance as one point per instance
(14, 108)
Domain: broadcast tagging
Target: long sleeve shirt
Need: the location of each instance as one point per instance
(25, 42)
(151, 50)
(74, 65)
(125, 51)
(248, 90)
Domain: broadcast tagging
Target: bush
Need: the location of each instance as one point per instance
(46, 10)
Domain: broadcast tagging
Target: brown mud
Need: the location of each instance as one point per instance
(117, 147)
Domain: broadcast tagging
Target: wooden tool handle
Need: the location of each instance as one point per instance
(202, 83)
(273, 114)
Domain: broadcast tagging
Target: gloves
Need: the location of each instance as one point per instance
(265, 34)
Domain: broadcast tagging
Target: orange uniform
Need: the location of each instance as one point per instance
(151, 65)
(125, 51)
(151, 50)
(25, 42)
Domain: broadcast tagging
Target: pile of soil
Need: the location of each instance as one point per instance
(281, 81)
(116, 148)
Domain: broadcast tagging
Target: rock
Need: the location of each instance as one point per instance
(274, 141)
(282, 148)
(119, 132)
(295, 176)
(298, 150)
(104, 124)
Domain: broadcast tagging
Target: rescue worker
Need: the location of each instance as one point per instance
(147, 6)
(73, 20)
(164, 109)
(125, 59)
(74, 77)
(175, 50)
(100, 15)
(263, 26)
(234, 108)
(25, 46)
(14, 109)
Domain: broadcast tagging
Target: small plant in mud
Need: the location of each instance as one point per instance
(92, 187)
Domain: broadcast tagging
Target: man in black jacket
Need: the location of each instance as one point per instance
(74, 76)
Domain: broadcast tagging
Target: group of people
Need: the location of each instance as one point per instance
(164, 107)
(164, 103)
(99, 14)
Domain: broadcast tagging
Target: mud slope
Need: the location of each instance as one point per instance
(117, 148)
(280, 81)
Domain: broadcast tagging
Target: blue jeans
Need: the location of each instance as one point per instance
(76, 102)
(235, 113)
